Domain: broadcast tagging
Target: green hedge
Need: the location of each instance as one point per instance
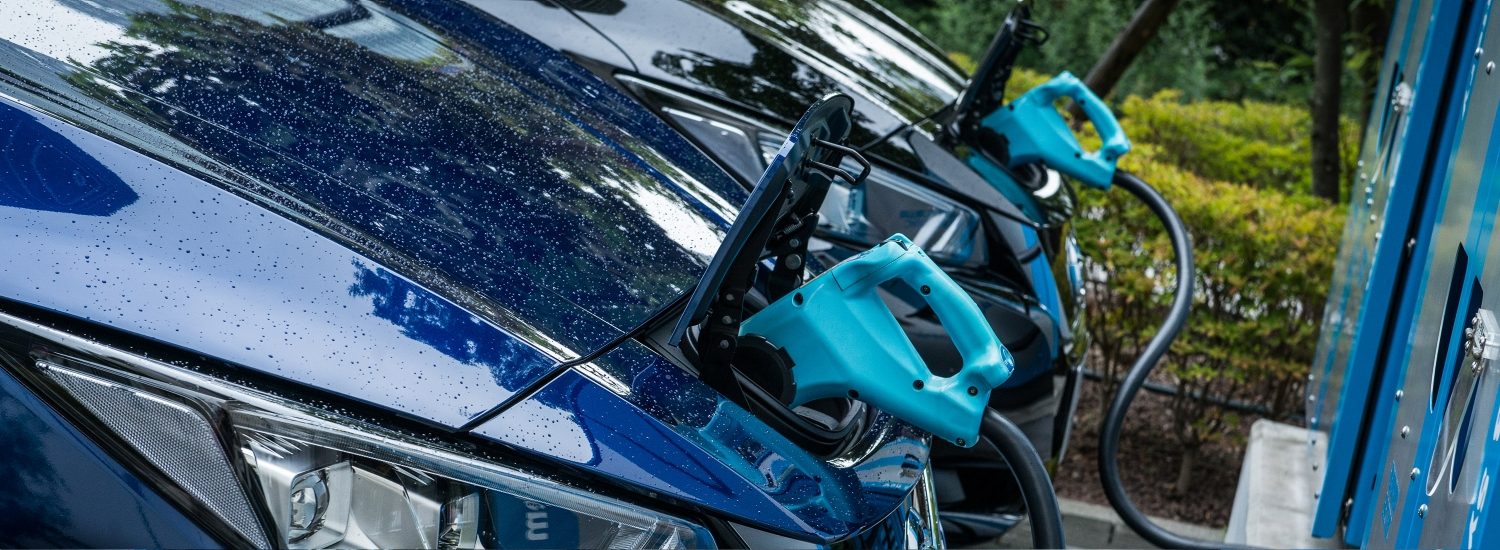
(1263, 260)
(1263, 145)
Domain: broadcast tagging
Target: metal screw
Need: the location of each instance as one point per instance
(794, 261)
(1415, 472)
(795, 242)
(1405, 430)
(1399, 393)
(1489, 67)
(723, 344)
(973, 390)
(1422, 510)
(959, 441)
(1478, 52)
(729, 296)
(1312, 398)
(726, 319)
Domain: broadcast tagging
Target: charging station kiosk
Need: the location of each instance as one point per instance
(1405, 383)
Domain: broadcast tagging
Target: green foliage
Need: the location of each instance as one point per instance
(1081, 30)
(1263, 259)
(1263, 145)
(1219, 49)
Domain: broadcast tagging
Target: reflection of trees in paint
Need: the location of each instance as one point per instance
(461, 159)
(42, 170)
(450, 330)
(605, 7)
(772, 81)
(30, 506)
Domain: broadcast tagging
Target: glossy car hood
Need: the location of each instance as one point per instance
(777, 56)
(414, 206)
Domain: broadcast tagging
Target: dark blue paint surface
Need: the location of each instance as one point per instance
(194, 266)
(638, 419)
(60, 490)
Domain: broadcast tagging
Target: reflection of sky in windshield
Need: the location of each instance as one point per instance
(56, 33)
(500, 164)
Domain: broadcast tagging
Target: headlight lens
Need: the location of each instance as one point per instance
(328, 486)
(319, 480)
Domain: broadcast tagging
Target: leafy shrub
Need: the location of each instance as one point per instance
(1264, 145)
(1263, 259)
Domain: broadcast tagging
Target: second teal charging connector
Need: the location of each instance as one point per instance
(844, 341)
(1036, 132)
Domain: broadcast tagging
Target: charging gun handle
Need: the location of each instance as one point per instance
(1036, 132)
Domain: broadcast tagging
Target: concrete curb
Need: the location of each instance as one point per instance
(1094, 526)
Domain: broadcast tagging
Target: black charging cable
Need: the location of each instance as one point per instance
(1114, 419)
(1031, 475)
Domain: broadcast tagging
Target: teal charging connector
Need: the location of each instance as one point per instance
(844, 341)
(1036, 132)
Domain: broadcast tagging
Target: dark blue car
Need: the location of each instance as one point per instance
(315, 273)
(734, 75)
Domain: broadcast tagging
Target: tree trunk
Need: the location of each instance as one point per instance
(1185, 470)
(1143, 26)
(1332, 21)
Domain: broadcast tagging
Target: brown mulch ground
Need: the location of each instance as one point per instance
(1149, 461)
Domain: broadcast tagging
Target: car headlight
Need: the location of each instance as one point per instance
(278, 473)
